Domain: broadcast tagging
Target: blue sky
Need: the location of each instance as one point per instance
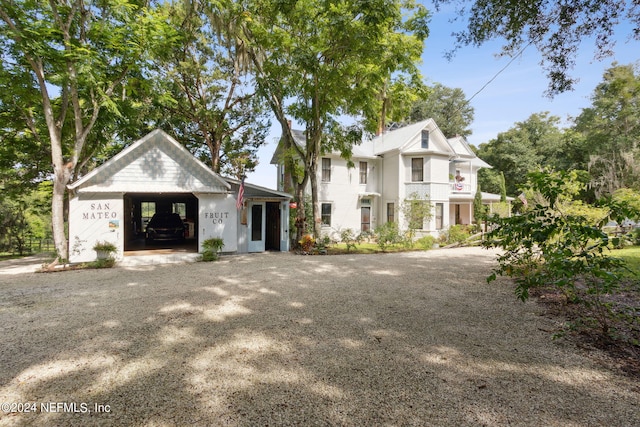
(515, 94)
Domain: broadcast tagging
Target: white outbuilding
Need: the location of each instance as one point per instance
(156, 174)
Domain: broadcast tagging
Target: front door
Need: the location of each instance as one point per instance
(256, 223)
(365, 218)
(272, 225)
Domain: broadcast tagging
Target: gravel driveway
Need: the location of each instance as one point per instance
(278, 339)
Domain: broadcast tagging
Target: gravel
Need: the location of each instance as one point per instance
(276, 339)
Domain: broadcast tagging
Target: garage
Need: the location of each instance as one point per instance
(157, 176)
(143, 206)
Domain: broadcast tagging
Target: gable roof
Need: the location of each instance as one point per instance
(256, 192)
(405, 139)
(154, 163)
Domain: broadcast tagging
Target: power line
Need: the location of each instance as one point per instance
(500, 71)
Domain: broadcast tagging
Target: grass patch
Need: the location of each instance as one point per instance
(631, 256)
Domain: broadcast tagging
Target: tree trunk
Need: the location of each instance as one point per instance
(60, 180)
(317, 220)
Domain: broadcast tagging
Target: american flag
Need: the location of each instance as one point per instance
(240, 200)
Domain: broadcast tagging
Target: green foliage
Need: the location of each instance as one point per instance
(479, 209)
(547, 246)
(610, 130)
(202, 87)
(387, 234)
(349, 238)
(503, 188)
(522, 23)
(106, 247)
(14, 227)
(211, 248)
(102, 263)
(317, 63)
(448, 107)
(624, 204)
(425, 242)
(514, 153)
(416, 209)
(455, 234)
(501, 209)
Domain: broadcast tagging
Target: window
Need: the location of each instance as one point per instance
(417, 165)
(326, 213)
(326, 169)
(391, 212)
(363, 172)
(425, 138)
(180, 209)
(148, 209)
(439, 215)
(256, 223)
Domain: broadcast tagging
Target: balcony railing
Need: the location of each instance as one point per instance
(460, 187)
(436, 190)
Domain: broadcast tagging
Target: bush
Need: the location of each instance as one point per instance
(211, 248)
(546, 246)
(349, 238)
(455, 234)
(387, 235)
(307, 243)
(426, 242)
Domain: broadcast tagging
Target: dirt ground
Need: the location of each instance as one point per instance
(401, 339)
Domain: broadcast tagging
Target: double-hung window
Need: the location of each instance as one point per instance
(326, 169)
(363, 172)
(417, 169)
(325, 211)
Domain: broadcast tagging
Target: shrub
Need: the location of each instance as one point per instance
(426, 242)
(349, 238)
(307, 243)
(546, 246)
(455, 234)
(387, 235)
(211, 248)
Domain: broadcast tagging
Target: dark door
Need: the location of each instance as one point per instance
(272, 242)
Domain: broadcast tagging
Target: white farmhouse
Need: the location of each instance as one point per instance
(156, 174)
(415, 160)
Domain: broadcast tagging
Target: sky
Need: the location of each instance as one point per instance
(515, 94)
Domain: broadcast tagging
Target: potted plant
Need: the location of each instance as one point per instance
(105, 249)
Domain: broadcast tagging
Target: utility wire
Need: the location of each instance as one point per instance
(500, 71)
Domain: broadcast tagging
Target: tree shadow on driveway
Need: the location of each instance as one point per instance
(279, 339)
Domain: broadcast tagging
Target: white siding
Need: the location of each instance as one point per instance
(344, 193)
(93, 218)
(154, 171)
(218, 217)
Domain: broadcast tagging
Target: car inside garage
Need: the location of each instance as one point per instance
(142, 229)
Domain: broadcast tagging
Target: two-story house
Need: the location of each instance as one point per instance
(415, 160)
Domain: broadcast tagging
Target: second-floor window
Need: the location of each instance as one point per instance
(363, 172)
(326, 169)
(417, 169)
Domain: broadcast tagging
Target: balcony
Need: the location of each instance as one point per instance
(460, 188)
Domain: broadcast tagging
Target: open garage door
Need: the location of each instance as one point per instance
(171, 210)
